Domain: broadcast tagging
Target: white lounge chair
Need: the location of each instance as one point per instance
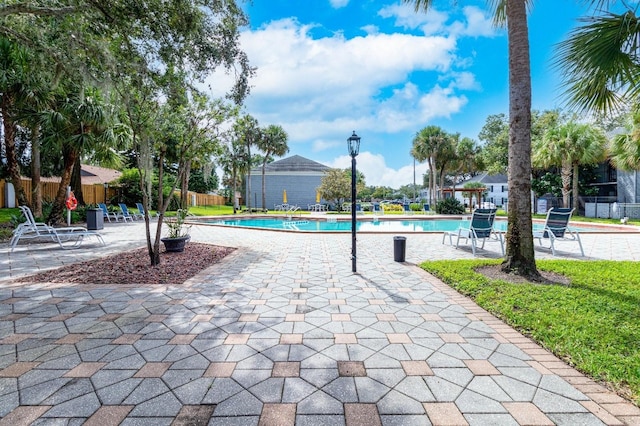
(32, 229)
(556, 228)
(480, 230)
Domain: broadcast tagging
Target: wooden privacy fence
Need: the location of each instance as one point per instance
(94, 194)
(197, 199)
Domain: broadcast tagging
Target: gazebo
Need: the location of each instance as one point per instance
(468, 192)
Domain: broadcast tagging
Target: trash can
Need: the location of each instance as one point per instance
(399, 248)
(95, 219)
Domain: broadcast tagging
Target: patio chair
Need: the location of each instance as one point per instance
(556, 228)
(426, 208)
(126, 214)
(480, 230)
(140, 208)
(377, 209)
(359, 209)
(107, 214)
(32, 229)
(406, 209)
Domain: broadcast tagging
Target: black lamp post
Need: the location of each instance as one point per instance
(353, 143)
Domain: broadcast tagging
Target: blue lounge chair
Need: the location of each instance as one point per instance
(406, 209)
(556, 228)
(141, 210)
(107, 214)
(480, 230)
(426, 208)
(377, 209)
(128, 215)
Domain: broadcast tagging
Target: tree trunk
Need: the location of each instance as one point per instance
(184, 186)
(10, 152)
(520, 257)
(576, 193)
(70, 157)
(160, 178)
(565, 176)
(248, 187)
(432, 185)
(76, 183)
(233, 195)
(264, 203)
(36, 186)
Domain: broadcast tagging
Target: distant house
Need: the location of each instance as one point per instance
(91, 175)
(298, 176)
(497, 188)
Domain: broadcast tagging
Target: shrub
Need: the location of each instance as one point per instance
(449, 206)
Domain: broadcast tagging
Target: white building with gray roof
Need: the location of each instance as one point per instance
(298, 176)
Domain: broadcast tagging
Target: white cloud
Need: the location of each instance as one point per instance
(479, 23)
(406, 17)
(377, 173)
(317, 88)
(337, 4)
(387, 84)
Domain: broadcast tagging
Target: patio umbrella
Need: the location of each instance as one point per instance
(317, 197)
(284, 196)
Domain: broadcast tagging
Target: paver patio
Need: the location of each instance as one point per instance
(282, 332)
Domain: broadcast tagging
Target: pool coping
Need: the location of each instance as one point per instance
(200, 220)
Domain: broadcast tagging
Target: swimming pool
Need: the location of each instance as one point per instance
(365, 225)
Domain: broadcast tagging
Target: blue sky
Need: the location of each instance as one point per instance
(328, 67)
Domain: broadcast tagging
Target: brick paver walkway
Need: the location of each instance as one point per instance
(281, 333)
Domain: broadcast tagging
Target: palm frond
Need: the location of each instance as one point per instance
(600, 63)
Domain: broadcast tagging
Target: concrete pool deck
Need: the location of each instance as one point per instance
(282, 332)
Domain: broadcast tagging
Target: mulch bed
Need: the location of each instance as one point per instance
(134, 267)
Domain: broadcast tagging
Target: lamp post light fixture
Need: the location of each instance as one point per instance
(106, 188)
(353, 143)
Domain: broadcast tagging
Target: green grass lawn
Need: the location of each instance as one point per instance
(594, 323)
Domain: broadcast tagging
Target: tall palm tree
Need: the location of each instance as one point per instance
(76, 124)
(248, 131)
(16, 85)
(273, 141)
(625, 147)
(599, 61)
(425, 148)
(569, 146)
(519, 253)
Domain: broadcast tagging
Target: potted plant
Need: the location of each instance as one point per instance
(178, 233)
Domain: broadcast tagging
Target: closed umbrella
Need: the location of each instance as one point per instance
(317, 197)
(284, 196)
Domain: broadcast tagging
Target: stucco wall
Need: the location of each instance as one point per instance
(628, 189)
(301, 189)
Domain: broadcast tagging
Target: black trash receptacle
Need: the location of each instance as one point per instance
(399, 248)
(95, 219)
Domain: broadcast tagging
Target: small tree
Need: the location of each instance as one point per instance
(335, 186)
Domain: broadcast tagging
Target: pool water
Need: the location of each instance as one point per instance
(312, 225)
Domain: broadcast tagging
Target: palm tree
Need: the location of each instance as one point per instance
(569, 146)
(248, 131)
(625, 147)
(273, 142)
(600, 64)
(234, 162)
(16, 82)
(76, 124)
(425, 148)
(519, 253)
